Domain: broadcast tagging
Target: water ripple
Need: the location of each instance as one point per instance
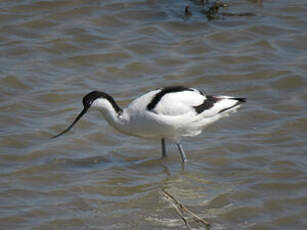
(246, 172)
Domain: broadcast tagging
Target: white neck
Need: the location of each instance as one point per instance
(117, 119)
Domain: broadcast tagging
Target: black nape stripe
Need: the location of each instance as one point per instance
(166, 90)
(92, 96)
(207, 104)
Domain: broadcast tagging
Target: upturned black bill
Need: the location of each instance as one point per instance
(75, 121)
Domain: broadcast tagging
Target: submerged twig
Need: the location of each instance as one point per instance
(180, 209)
(176, 204)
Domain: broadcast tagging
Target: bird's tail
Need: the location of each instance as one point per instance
(227, 103)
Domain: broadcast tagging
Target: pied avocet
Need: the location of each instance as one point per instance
(168, 113)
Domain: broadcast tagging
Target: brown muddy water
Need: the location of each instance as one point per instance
(247, 171)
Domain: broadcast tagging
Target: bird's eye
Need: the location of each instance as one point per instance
(87, 102)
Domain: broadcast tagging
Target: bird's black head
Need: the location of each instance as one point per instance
(87, 102)
(91, 97)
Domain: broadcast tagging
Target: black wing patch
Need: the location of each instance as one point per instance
(207, 104)
(171, 89)
(239, 100)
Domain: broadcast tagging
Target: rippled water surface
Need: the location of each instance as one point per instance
(247, 171)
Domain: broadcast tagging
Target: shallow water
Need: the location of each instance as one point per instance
(247, 171)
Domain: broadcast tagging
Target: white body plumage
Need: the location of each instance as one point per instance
(165, 113)
(172, 118)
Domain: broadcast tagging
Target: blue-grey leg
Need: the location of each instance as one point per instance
(163, 147)
(182, 154)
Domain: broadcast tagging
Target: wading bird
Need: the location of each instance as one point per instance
(168, 113)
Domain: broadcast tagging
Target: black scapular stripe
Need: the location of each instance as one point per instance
(207, 104)
(170, 89)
